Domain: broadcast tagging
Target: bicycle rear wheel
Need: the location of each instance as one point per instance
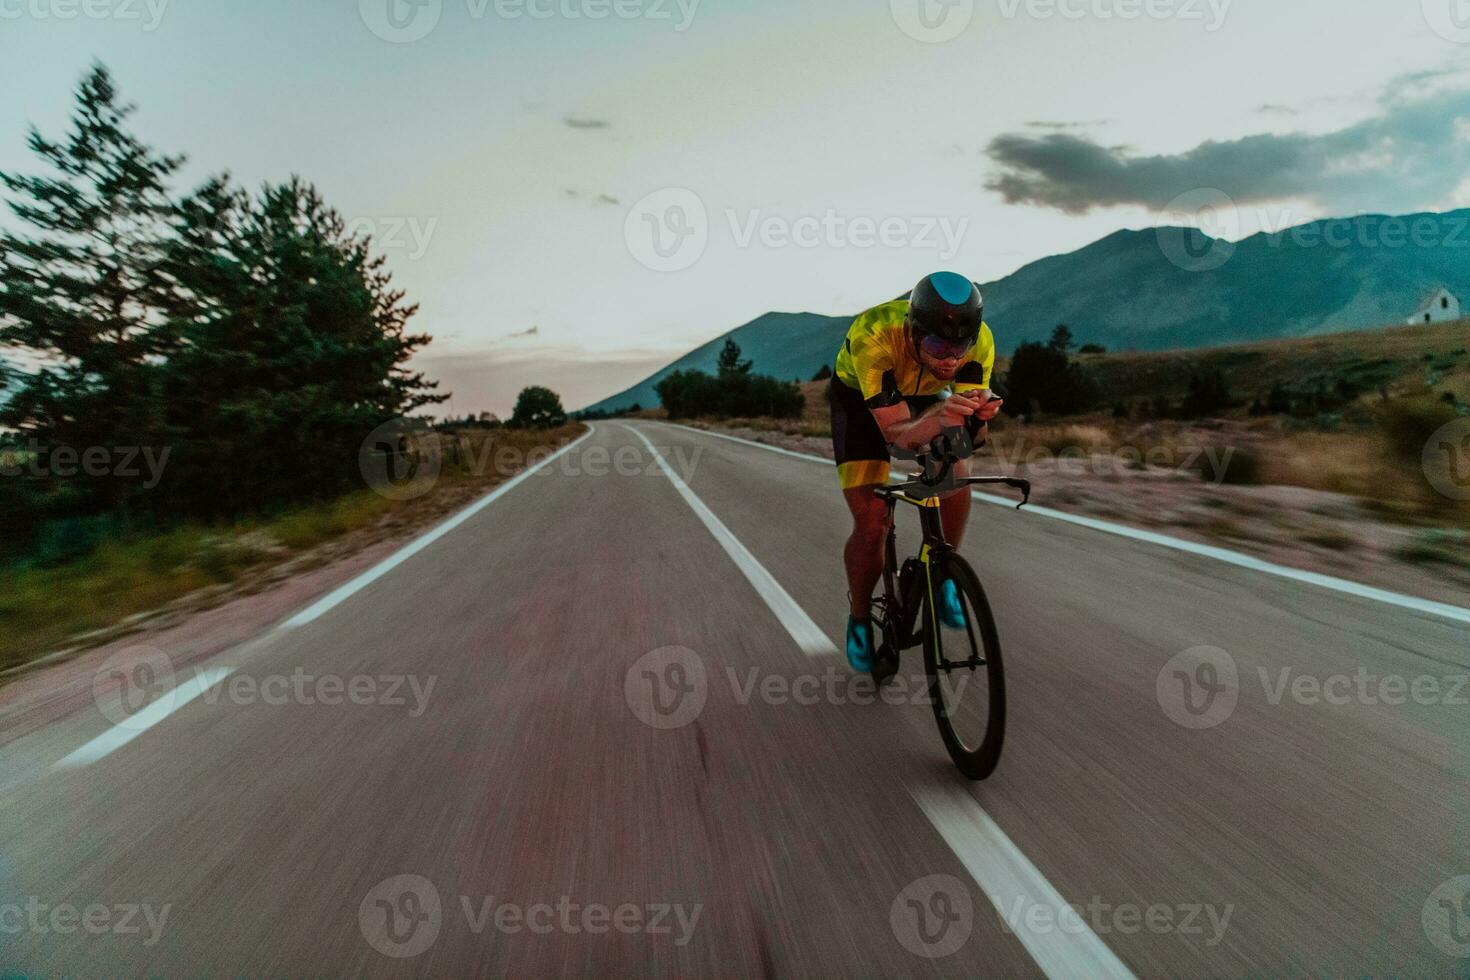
(965, 671)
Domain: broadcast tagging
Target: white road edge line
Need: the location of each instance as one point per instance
(803, 630)
(1067, 947)
(348, 590)
(1456, 614)
(119, 735)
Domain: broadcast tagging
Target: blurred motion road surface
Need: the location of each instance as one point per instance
(568, 804)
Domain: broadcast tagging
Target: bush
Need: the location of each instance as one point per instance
(690, 394)
(538, 408)
(1209, 394)
(1407, 424)
(1043, 378)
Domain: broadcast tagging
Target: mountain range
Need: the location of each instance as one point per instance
(1162, 289)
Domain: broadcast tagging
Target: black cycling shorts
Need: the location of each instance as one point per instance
(857, 442)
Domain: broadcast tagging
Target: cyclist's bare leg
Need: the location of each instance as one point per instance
(865, 548)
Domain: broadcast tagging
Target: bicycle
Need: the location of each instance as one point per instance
(907, 614)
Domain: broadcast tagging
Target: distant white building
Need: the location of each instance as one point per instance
(1440, 306)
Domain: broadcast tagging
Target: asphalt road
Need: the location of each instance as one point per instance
(601, 744)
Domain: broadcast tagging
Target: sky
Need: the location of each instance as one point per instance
(579, 191)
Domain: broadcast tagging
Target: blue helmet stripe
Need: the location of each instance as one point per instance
(952, 287)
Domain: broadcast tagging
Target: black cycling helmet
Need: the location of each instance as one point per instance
(948, 306)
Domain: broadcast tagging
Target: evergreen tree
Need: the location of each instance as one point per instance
(730, 362)
(80, 291)
(1061, 339)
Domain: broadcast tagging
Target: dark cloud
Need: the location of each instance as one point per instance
(1412, 154)
(575, 123)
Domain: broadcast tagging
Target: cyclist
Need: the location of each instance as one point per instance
(897, 360)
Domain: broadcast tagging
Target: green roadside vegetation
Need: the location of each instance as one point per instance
(49, 605)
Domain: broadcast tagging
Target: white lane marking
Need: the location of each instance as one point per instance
(345, 592)
(1413, 603)
(1006, 876)
(119, 735)
(806, 633)
(1067, 947)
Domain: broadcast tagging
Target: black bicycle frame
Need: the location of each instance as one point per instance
(925, 493)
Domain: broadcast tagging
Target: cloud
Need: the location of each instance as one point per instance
(598, 200)
(1046, 124)
(575, 123)
(1411, 154)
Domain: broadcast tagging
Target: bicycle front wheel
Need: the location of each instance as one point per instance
(966, 675)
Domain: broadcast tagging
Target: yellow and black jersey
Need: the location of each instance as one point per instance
(878, 359)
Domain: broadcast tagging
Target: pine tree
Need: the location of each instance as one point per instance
(730, 362)
(81, 292)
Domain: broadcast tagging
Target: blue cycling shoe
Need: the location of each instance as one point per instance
(951, 610)
(860, 645)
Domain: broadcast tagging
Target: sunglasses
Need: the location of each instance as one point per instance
(943, 350)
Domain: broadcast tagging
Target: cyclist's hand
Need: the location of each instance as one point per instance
(990, 409)
(955, 410)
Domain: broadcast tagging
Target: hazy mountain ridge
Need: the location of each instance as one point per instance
(1125, 293)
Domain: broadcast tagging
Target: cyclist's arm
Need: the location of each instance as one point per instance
(914, 432)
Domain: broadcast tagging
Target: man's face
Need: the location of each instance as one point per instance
(942, 358)
(944, 368)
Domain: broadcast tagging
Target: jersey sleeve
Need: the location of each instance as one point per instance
(975, 375)
(872, 362)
